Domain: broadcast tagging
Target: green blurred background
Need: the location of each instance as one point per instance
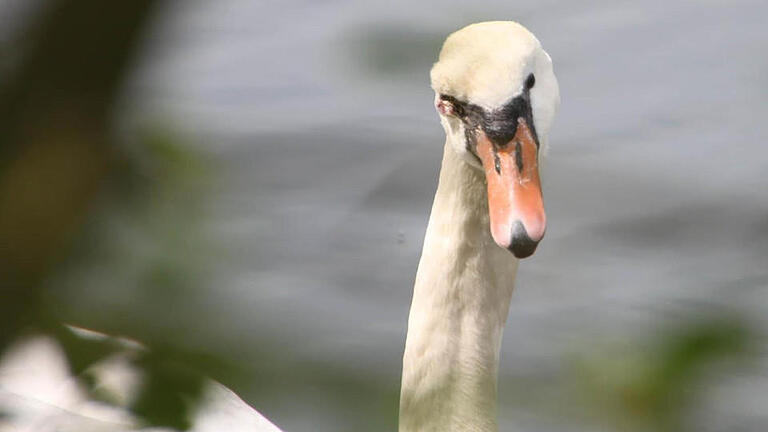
(244, 187)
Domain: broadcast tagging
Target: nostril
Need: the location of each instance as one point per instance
(521, 244)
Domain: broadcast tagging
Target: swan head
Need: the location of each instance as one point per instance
(497, 95)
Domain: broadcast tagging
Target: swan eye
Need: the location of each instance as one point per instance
(449, 106)
(530, 82)
(445, 107)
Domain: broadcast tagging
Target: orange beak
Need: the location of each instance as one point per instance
(515, 203)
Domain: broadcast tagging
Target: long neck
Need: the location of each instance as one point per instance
(460, 304)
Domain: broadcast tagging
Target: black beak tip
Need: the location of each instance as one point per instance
(523, 250)
(522, 245)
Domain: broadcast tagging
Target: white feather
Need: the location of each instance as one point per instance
(464, 281)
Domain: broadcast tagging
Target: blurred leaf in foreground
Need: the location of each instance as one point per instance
(66, 180)
(653, 386)
(56, 144)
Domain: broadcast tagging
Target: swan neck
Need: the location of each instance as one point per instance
(460, 305)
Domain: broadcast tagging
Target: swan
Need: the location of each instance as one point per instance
(496, 95)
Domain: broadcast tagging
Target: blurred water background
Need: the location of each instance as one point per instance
(321, 148)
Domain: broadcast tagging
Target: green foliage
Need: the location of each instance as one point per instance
(652, 385)
(155, 199)
(170, 390)
(67, 184)
(55, 111)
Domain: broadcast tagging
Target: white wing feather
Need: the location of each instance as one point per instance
(38, 394)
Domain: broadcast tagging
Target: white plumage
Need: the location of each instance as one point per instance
(464, 281)
(38, 394)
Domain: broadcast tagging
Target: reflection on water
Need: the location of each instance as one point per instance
(321, 116)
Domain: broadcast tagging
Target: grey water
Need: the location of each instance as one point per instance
(320, 116)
